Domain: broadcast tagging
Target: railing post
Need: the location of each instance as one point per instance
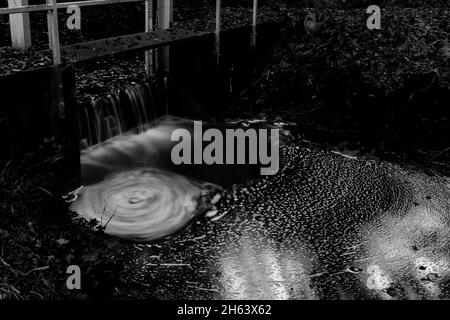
(218, 28)
(20, 26)
(53, 37)
(165, 13)
(254, 22)
(165, 19)
(149, 56)
(218, 17)
(53, 31)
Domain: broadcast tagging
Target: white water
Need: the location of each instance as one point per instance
(140, 204)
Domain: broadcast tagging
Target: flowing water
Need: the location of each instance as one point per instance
(130, 185)
(326, 226)
(113, 115)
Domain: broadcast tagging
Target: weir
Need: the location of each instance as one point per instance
(135, 107)
(196, 88)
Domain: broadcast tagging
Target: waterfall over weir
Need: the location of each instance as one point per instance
(133, 107)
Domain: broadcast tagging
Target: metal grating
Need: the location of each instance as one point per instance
(145, 40)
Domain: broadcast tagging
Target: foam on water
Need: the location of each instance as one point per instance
(140, 204)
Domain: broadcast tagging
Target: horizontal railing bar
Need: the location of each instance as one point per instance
(45, 7)
(22, 9)
(93, 3)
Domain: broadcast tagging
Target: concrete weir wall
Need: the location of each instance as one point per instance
(32, 131)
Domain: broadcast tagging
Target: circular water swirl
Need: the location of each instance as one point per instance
(140, 204)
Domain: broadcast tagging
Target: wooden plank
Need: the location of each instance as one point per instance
(19, 24)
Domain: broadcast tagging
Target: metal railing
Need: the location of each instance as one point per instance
(52, 18)
(20, 28)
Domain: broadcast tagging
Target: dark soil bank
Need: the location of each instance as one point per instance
(380, 92)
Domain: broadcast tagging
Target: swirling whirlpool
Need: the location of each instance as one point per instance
(140, 204)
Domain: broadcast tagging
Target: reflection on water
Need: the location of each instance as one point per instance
(411, 251)
(263, 272)
(326, 227)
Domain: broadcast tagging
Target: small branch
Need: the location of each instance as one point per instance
(37, 294)
(112, 216)
(6, 264)
(439, 154)
(36, 269)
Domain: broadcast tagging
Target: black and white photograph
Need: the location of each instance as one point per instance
(224, 154)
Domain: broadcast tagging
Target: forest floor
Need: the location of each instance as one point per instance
(382, 93)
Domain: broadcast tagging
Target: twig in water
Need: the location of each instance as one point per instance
(37, 294)
(4, 169)
(114, 213)
(11, 292)
(252, 85)
(439, 154)
(6, 264)
(45, 191)
(206, 289)
(175, 265)
(290, 113)
(101, 217)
